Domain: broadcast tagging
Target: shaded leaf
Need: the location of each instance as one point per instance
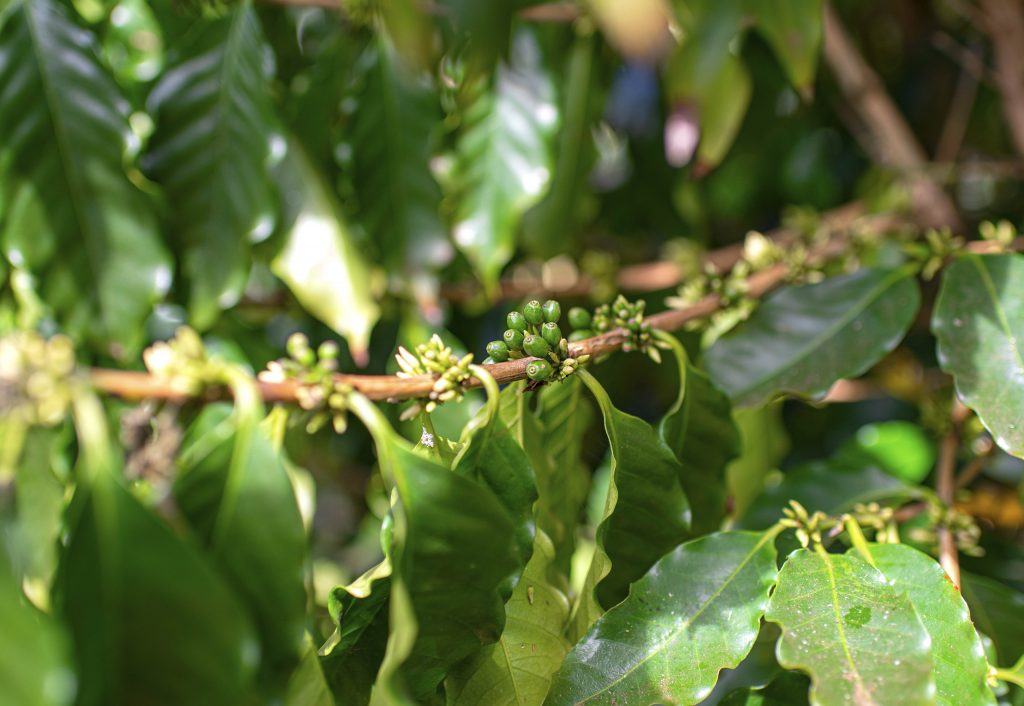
(350, 675)
(979, 323)
(696, 612)
(959, 660)
(307, 685)
(859, 640)
(793, 28)
(453, 551)
(998, 611)
(74, 217)
(802, 339)
(34, 668)
(722, 110)
(319, 261)
(518, 669)
(504, 156)
(214, 129)
(125, 579)
(234, 490)
(700, 431)
(646, 513)
(764, 442)
(391, 135)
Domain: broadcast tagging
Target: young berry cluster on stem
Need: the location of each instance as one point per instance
(534, 332)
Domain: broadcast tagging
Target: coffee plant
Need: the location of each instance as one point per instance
(386, 352)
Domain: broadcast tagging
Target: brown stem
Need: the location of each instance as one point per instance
(893, 142)
(551, 12)
(1004, 22)
(976, 465)
(945, 488)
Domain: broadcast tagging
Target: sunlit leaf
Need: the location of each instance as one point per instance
(959, 660)
(696, 612)
(504, 156)
(979, 324)
(73, 212)
(319, 261)
(802, 339)
(859, 639)
(214, 133)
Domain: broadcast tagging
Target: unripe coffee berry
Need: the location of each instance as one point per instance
(498, 351)
(533, 312)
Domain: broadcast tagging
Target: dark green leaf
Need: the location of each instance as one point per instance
(151, 621)
(351, 674)
(307, 685)
(823, 485)
(979, 323)
(214, 131)
(700, 431)
(860, 641)
(453, 551)
(565, 416)
(319, 260)
(802, 339)
(695, 613)
(234, 490)
(646, 513)
(764, 442)
(391, 136)
(793, 29)
(492, 457)
(959, 660)
(34, 668)
(998, 611)
(504, 158)
(73, 211)
(518, 669)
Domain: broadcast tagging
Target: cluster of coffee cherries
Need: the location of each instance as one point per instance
(624, 314)
(534, 332)
(318, 392)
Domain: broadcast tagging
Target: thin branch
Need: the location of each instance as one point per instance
(560, 12)
(959, 114)
(894, 142)
(976, 465)
(945, 488)
(1004, 22)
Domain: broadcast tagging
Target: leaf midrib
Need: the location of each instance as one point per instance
(1004, 323)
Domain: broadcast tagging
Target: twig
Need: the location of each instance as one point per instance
(976, 465)
(1004, 22)
(955, 126)
(965, 57)
(945, 488)
(552, 12)
(894, 142)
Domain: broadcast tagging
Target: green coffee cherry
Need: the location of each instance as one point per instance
(498, 351)
(533, 312)
(535, 345)
(516, 320)
(552, 310)
(539, 370)
(513, 339)
(580, 335)
(551, 333)
(579, 317)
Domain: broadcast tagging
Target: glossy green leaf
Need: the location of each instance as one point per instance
(453, 552)
(802, 339)
(859, 639)
(700, 431)
(998, 611)
(234, 490)
(695, 613)
(793, 28)
(901, 449)
(73, 212)
(979, 323)
(491, 456)
(307, 685)
(34, 665)
(517, 670)
(565, 416)
(828, 486)
(152, 622)
(214, 133)
(320, 261)
(646, 513)
(350, 675)
(959, 660)
(722, 110)
(391, 135)
(504, 156)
